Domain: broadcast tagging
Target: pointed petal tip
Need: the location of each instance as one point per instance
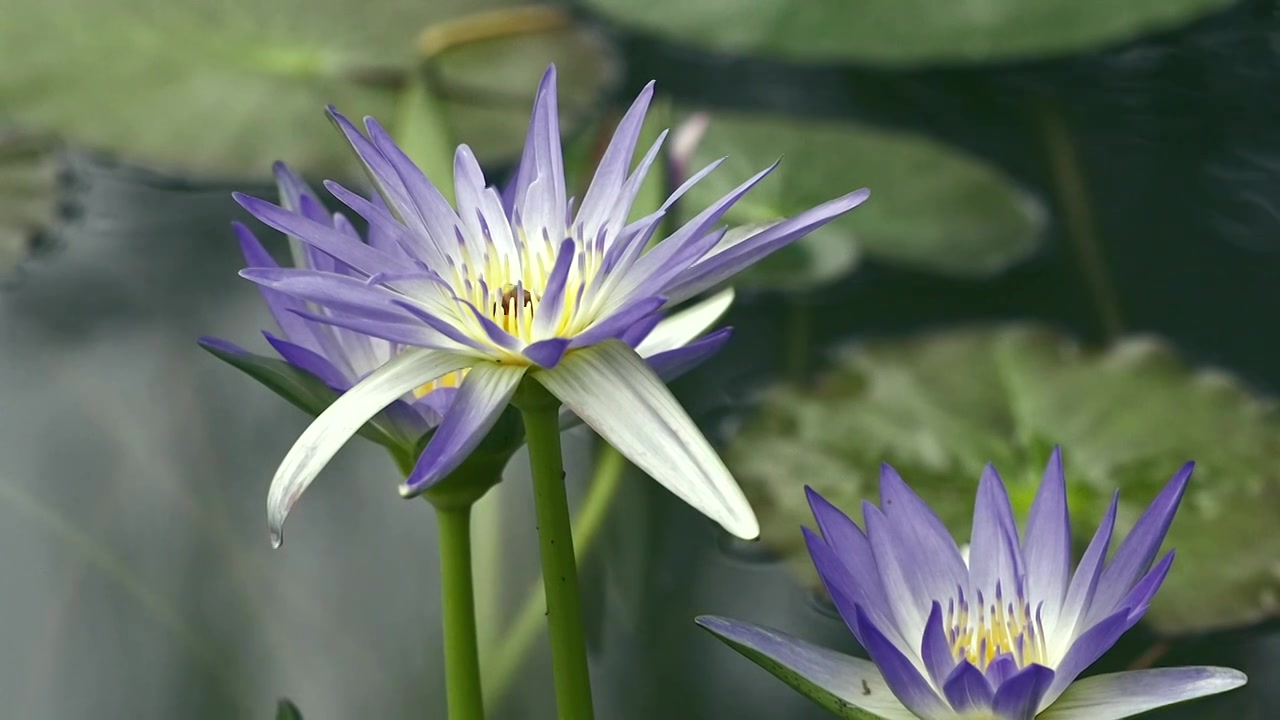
(744, 528)
(208, 342)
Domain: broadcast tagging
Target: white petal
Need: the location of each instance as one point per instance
(612, 389)
(1124, 694)
(333, 427)
(681, 328)
(825, 676)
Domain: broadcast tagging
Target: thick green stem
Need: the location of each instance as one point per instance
(461, 649)
(587, 523)
(540, 411)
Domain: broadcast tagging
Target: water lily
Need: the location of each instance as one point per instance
(517, 284)
(1002, 637)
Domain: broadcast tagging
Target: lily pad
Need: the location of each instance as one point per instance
(933, 208)
(904, 32)
(938, 407)
(219, 89)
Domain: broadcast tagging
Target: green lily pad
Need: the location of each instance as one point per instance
(938, 407)
(308, 393)
(932, 207)
(28, 194)
(219, 89)
(904, 32)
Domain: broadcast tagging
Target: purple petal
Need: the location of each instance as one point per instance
(851, 546)
(1086, 649)
(311, 362)
(673, 257)
(549, 311)
(918, 560)
(854, 682)
(225, 346)
(436, 403)
(606, 186)
(1125, 694)
(438, 217)
(617, 323)
(407, 243)
(1085, 581)
(1020, 696)
(846, 593)
(994, 555)
(496, 334)
(935, 651)
(293, 189)
(1133, 558)
(900, 674)
(396, 332)
(1047, 550)
(442, 326)
(636, 334)
(382, 173)
(849, 590)
(542, 154)
(482, 397)
(1001, 668)
(967, 689)
(1140, 597)
(333, 291)
(671, 364)
(324, 237)
(547, 353)
(280, 305)
(631, 242)
(716, 268)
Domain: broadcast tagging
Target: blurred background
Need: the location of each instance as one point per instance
(1074, 237)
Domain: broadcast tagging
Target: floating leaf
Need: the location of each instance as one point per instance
(932, 207)
(222, 88)
(307, 392)
(938, 407)
(904, 32)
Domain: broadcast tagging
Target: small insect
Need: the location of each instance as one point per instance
(866, 689)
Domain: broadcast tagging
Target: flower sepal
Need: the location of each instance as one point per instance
(483, 467)
(849, 687)
(400, 435)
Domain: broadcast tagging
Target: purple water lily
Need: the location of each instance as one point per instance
(1002, 637)
(519, 284)
(310, 340)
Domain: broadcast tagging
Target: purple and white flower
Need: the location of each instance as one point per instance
(1001, 637)
(518, 284)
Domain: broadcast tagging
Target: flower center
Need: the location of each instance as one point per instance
(513, 308)
(988, 630)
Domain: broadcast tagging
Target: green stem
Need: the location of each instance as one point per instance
(1074, 198)
(587, 523)
(540, 411)
(461, 650)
